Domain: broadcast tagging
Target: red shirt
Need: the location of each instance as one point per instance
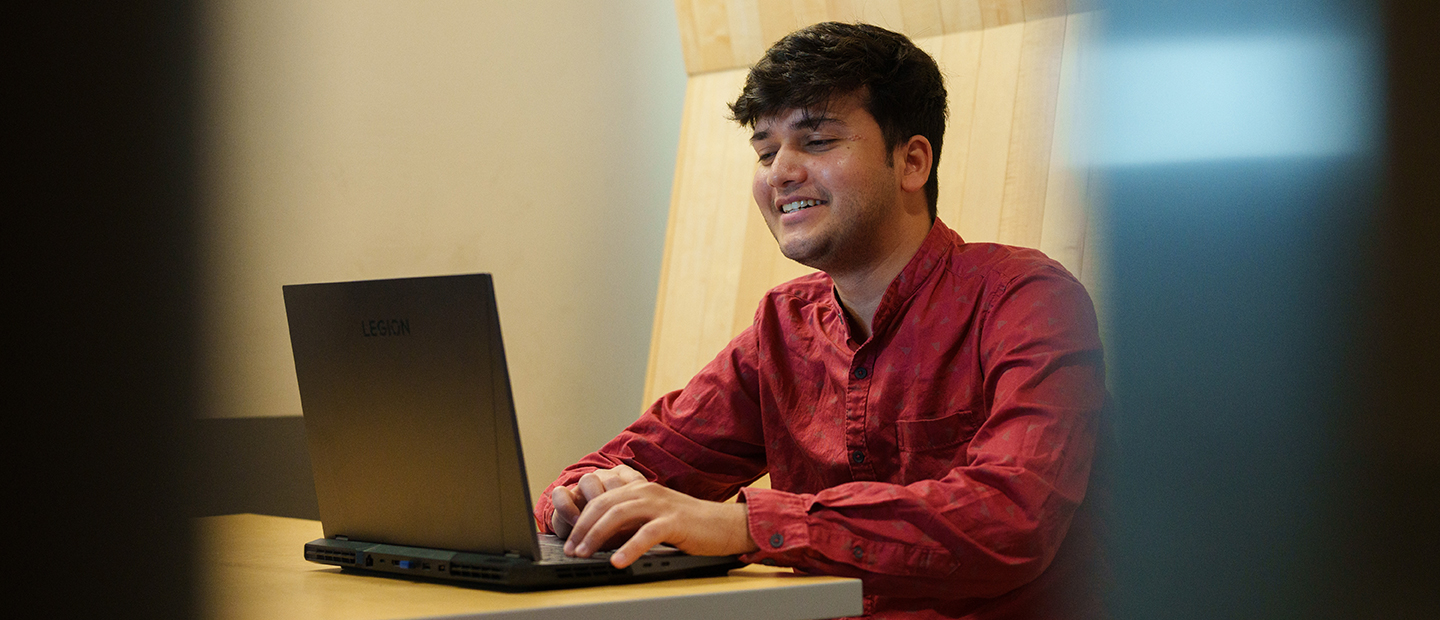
(941, 460)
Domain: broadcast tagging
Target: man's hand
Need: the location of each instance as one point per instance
(651, 514)
(569, 502)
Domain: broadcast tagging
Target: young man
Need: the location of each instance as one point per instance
(926, 408)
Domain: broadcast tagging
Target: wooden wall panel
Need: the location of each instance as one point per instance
(778, 19)
(705, 240)
(995, 13)
(959, 59)
(747, 37)
(705, 36)
(727, 34)
(1040, 9)
(1007, 174)
(922, 18)
(1063, 229)
(984, 187)
(1022, 211)
(960, 15)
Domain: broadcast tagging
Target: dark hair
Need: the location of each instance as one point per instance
(813, 65)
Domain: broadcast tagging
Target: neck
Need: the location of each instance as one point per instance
(862, 287)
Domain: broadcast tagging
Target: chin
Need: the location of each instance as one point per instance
(812, 257)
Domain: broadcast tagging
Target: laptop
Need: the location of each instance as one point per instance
(412, 436)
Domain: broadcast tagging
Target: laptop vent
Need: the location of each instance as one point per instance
(586, 572)
(476, 572)
(330, 556)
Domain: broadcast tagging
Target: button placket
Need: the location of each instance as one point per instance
(855, 416)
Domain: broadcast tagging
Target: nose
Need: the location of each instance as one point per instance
(786, 169)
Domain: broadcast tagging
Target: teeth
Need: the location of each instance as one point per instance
(792, 207)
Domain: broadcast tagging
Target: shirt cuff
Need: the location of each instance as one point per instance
(778, 524)
(544, 511)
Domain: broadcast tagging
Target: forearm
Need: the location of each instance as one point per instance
(929, 539)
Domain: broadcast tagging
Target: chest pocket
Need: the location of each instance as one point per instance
(931, 448)
(946, 431)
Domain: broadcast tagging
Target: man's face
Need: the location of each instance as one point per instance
(826, 184)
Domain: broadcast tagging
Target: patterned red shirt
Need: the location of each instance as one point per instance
(941, 460)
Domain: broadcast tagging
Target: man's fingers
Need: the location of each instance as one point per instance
(647, 536)
(583, 540)
(567, 511)
(604, 520)
(591, 485)
(618, 476)
(624, 474)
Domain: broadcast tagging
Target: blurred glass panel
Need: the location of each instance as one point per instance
(1238, 147)
(1196, 99)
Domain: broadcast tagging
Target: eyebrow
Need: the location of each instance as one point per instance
(806, 122)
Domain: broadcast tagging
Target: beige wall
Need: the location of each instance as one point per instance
(373, 139)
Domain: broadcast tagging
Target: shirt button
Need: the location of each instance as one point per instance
(857, 457)
(857, 552)
(861, 373)
(776, 540)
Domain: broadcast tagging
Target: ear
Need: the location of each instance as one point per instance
(914, 161)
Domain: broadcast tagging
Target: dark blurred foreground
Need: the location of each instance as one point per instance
(1274, 338)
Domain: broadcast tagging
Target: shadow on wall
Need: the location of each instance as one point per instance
(255, 465)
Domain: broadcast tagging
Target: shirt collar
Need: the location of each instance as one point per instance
(926, 261)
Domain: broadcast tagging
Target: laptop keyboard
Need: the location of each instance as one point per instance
(553, 550)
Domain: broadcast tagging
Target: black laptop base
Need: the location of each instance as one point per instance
(502, 572)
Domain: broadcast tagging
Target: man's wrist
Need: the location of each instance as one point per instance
(745, 542)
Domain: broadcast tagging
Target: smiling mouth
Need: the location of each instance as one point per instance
(791, 207)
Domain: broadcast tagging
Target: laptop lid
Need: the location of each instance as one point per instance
(408, 413)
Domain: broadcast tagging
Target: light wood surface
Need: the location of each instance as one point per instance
(1007, 173)
(251, 568)
(726, 34)
(1064, 232)
(983, 187)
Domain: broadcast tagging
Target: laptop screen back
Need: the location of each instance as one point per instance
(408, 413)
